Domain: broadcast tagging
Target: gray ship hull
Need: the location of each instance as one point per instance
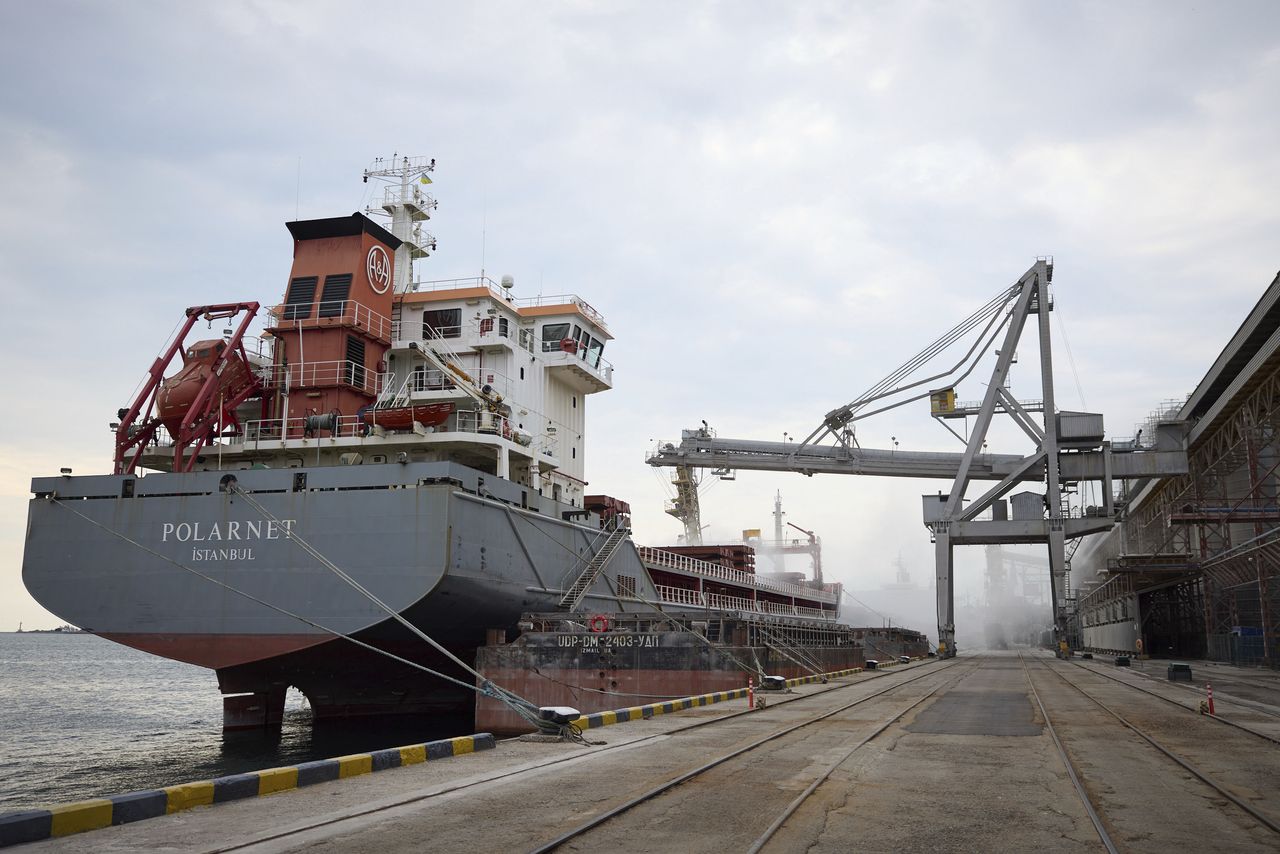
(177, 565)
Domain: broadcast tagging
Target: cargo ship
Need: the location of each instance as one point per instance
(377, 484)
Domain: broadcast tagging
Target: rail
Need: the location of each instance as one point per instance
(681, 596)
(760, 842)
(333, 313)
(557, 354)
(353, 426)
(315, 374)
(684, 563)
(273, 429)
(485, 331)
(499, 293)
(434, 379)
(707, 569)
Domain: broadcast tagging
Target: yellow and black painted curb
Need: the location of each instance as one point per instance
(636, 713)
(34, 825)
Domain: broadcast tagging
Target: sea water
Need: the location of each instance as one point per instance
(82, 717)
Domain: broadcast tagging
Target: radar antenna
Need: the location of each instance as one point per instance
(407, 205)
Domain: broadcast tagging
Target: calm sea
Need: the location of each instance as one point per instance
(82, 717)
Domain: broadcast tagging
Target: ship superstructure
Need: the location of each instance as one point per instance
(391, 457)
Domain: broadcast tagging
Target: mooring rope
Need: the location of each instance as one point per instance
(514, 701)
(487, 688)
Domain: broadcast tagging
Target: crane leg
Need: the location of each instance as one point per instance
(946, 593)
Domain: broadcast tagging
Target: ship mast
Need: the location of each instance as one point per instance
(408, 205)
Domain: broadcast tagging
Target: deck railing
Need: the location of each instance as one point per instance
(316, 374)
(332, 312)
(684, 563)
(680, 596)
(499, 293)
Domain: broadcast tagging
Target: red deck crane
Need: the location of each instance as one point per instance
(199, 401)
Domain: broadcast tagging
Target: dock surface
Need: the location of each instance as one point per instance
(935, 756)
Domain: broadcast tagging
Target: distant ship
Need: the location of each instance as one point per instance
(391, 457)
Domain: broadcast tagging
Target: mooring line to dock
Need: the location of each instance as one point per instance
(702, 769)
(1071, 771)
(487, 687)
(497, 692)
(574, 757)
(1262, 818)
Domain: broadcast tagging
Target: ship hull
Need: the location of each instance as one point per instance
(184, 566)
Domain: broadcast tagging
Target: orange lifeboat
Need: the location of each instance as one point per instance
(402, 417)
(179, 391)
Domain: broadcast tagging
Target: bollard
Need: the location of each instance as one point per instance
(751, 693)
(1208, 686)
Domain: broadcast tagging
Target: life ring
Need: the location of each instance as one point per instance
(599, 623)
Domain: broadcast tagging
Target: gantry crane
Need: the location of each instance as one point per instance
(1069, 447)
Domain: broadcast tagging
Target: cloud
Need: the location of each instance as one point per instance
(772, 210)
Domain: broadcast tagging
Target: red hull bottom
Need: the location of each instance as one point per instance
(215, 651)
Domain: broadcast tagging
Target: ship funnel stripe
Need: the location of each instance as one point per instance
(35, 825)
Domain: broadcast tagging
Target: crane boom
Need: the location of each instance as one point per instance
(1069, 448)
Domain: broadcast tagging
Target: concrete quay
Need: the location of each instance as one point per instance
(934, 756)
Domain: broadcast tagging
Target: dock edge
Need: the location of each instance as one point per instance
(65, 819)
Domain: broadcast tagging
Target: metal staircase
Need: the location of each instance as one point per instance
(789, 650)
(578, 590)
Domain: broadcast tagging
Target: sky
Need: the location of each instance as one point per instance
(772, 204)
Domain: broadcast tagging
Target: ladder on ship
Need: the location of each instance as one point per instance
(578, 590)
(789, 650)
(435, 350)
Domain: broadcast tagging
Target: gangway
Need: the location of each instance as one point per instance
(1069, 447)
(578, 590)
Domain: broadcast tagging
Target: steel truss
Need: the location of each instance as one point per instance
(1060, 457)
(1223, 518)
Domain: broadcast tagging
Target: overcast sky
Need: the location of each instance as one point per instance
(773, 205)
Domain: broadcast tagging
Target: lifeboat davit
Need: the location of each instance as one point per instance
(179, 391)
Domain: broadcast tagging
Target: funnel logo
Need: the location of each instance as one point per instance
(378, 266)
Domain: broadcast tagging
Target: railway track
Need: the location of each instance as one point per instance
(1103, 834)
(282, 839)
(783, 738)
(1258, 707)
(1225, 790)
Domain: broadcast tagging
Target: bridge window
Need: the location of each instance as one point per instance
(594, 350)
(552, 335)
(442, 322)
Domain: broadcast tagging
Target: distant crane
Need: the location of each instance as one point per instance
(779, 546)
